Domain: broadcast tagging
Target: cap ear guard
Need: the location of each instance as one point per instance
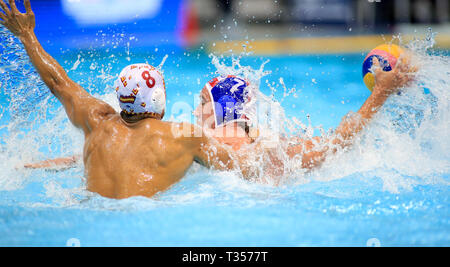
(158, 100)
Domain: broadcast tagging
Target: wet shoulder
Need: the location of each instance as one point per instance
(178, 131)
(171, 136)
(184, 134)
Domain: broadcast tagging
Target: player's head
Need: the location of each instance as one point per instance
(223, 100)
(141, 92)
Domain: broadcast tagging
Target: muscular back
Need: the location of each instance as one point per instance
(143, 158)
(121, 159)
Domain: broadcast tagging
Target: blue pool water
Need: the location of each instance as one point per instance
(392, 188)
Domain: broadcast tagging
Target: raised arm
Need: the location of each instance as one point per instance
(83, 110)
(315, 151)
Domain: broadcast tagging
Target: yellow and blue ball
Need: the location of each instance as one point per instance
(387, 55)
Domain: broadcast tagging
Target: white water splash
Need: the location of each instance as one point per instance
(407, 142)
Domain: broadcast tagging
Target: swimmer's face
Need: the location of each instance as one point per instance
(204, 111)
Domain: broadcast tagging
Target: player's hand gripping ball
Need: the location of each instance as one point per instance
(387, 55)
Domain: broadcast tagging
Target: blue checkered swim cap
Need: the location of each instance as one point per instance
(230, 94)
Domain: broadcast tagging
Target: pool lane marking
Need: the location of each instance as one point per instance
(317, 45)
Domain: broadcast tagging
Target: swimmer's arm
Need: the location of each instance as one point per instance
(205, 150)
(212, 154)
(83, 110)
(55, 164)
(215, 155)
(314, 152)
(387, 83)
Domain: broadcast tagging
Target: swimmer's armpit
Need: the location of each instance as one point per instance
(58, 164)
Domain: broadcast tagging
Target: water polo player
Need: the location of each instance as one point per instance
(226, 109)
(232, 129)
(127, 154)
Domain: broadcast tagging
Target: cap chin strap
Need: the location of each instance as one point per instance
(135, 117)
(209, 88)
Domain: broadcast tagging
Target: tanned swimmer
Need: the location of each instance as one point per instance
(312, 153)
(128, 154)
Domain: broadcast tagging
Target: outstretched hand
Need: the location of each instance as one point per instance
(388, 82)
(15, 21)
